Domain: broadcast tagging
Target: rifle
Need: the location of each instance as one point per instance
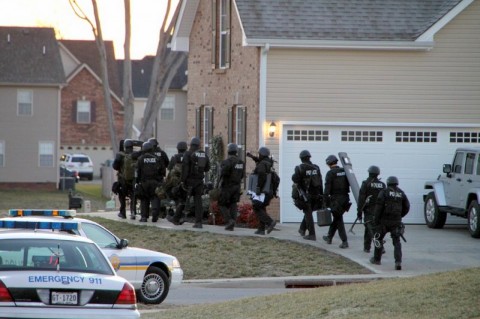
(363, 207)
(302, 194)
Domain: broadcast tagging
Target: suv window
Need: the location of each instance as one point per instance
(458, 163)
(469, 163)
(80, 159)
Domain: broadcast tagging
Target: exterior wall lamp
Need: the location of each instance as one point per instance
(272, 128)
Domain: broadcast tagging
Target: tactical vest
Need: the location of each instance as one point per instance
(236, 171)
(340, 185)
(128, 168)
(393, 205)
(198, 163)
(151, 165)
(374, 186)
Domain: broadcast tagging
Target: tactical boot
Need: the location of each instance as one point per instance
(230, 225)
(132, 216)
(375, 262)
(310, 237)
(344, 244)
(197, 225)
(301, 232)
(122, 215)
(271, 227)
(327, 239)
(260, 232)
(143, 220)
(398, 266)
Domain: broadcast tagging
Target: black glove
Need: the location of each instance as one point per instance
(258, 191)
(359, 216)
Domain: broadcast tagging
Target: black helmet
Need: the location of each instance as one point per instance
(195, 141)
(147, 147)
(331, 159)
(153, 141)
(392, 180)
(374, 170)
(182, 146)
(232, 148)
(128, 143)
(304, 154)
(264, 151)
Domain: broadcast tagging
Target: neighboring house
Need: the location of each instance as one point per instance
(392, 83)
(84, 125)
(170, 126)
(31, 78)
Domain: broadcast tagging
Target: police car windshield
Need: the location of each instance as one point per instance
(50, 255)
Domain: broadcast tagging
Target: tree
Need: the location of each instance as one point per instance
(127, 76)
(165, 67)
(97, 32)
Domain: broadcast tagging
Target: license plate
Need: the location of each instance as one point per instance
(64, 298)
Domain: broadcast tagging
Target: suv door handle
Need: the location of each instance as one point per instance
(459, 179)
(469, 180)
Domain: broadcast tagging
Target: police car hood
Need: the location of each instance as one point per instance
(141, 252)
(61, 279)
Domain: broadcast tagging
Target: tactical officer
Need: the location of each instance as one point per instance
(308, 178)
(337, 199)
(175, 178)
(118, 186)
(164, 158)
(262, 199)
(367, 197)
(195, 164)
(391, 206)
(231, 175)
(150, 170)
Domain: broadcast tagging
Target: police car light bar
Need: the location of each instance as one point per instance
(42, 212)
(22, 224)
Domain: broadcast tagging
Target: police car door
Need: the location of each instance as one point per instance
(122, 261)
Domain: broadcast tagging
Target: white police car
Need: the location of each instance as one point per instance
(45, 274)
(151, 273)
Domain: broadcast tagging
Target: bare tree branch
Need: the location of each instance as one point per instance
(128, 97)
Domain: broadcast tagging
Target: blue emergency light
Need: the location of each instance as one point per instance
(42, 212)
(23, 224)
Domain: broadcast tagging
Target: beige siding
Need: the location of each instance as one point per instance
(437, 86)
(23, 133)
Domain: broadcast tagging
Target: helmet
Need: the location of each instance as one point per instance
(128, 144)
(147, 147)
(263, 151)
(392, 180)
(304, 154)
(374, 170)
(182, 146)
(232, 148)
(153, 141)
(331, 159)
(195, 141)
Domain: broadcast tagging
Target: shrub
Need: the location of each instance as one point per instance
(246, 216)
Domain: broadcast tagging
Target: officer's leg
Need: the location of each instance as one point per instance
(197, 200)
(367, 237)
(341, 232)
(309, 223)
(122, 199)
(397, 247)
(144, 208)
(303, 226)
(377, 253)
(155, 208)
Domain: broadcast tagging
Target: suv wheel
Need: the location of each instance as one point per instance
(474, 219)
(434, 218)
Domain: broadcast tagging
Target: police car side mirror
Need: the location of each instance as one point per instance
(123, 243)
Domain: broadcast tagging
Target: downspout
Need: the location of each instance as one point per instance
(262, 107)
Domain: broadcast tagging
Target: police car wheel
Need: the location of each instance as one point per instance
(474, 219)
(155, 286)
(434, 218)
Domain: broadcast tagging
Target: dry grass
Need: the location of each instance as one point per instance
(445, 295)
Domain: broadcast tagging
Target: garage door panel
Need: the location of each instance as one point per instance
(414, 155)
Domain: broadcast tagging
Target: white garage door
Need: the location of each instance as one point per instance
(413, 154)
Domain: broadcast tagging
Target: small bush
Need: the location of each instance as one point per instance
(246, 216)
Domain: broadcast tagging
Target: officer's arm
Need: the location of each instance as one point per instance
(296, 178)
(379, 207)
(185, 167)
(405, 205)
(207, 166)
(362, 194)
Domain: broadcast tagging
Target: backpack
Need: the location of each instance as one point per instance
(128, 168)
(275, 182)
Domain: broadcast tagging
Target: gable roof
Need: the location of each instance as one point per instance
(142, 75)
(30, 56)
(86, 51)
(333, 23)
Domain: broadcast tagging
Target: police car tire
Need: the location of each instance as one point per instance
(156, 277)
(434, 217)
(474, 219)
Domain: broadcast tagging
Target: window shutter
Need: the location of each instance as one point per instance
(243, 115)
(93, 111)
(230, 125)
(74, 111)
(214, 33)
(210, 126)
(198, 122)
(229, 24)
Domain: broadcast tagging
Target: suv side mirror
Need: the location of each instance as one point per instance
(123, 243)
(447, 169)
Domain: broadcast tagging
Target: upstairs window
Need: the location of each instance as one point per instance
(24, 103)
(45, 154)
(167, 110)
(84, 111)
(204, 125)
(237, 125)
(221, 18)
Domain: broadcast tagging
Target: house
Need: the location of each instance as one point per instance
(31, 79)
(392, 83)
(170, 124)
(84, 122)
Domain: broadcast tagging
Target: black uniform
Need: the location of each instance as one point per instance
(231, 174)
(367, 197)
(337, 199)
(391, 206)
(308, 178)
(262, 169)
(177, 193)
(150, 171)
(195, 164)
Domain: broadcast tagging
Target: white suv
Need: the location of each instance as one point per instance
(80, 163)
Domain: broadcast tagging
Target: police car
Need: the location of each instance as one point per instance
(150, 272)
(45, 274)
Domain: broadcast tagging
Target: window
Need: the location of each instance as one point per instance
(84, 112)
(415, 137)
(458, 163)
(237, 124)
(167, 110)
(469, 163)
(464, 137)
(204, 124)
(24, 103)
(478, 165)
(2, 153)
(45, 153)
(221, 15)
(362, 136)
(307, 135)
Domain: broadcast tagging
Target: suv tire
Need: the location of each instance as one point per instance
(434, 218)
(474, 219)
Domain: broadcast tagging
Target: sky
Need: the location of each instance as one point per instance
(146, 17)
